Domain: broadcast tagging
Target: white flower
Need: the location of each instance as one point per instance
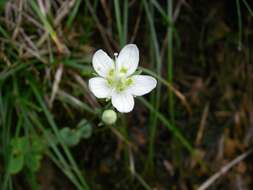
(116, 80)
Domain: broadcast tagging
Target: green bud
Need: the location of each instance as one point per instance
(109, 117)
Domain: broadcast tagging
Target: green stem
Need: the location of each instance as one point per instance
(118, 21)
(170, 60)
(56, 131)
(170, 126)
(156, 100)
(239, 25)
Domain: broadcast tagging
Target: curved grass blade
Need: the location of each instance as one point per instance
(56, 131)
(171, 127)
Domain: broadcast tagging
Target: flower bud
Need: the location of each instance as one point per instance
(109, 117)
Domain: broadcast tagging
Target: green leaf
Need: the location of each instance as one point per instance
(33, 160)
(85, 129)
(16, 163)
(72, 137)
(38, 145)
(49, 137)
(34, 156)
(18, 150)
(69, 136)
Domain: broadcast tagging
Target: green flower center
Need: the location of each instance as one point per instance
(119, 82)
(123, 70)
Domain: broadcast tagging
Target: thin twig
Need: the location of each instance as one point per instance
(224, 170)
(92, 100)
(121, 137)
(136, 26)
(100, 27)
(66, 7)
(202, 125)
(107, 12)
(27, 16)
(57, 80)
(176, 13)
(22, 46)
(19, 20)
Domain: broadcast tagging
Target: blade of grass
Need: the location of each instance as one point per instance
(6, 107)
(67, 172)
(4, 32)
(156, 100)
(73, 14)
(169, 86)
(56, 131)
(170, 60)
(122, 32)
(10, 71)
(99, 26)
(161, 11)
(239, 25)
(31, 179)
(47, 25)
(169, 125)
(86, 70)
(65, 97)
(142, 181)
(125, 23)
(29, 129)
(248, 7)
(119, 23)
(58, 158)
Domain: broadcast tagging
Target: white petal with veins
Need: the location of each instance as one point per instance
(128, 59)
(99, 87)
(142, 84)
(102, 63)
(123, 101)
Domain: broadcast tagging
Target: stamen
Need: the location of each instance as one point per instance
(129, 81)
(115, 55)
(111, 73)
(118, 81)
(123, 70)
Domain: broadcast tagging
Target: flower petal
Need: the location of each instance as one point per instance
(128, 59)
(99, 87)
(102, 63)
(142, 84)
(123, 101)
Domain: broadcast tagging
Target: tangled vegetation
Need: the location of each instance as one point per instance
(193, 131)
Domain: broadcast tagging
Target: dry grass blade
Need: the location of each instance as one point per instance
(65, 97)
(123, 139)
(224, 170)
(92, 100)
(57, 80)
(192, 131)
(100, 28)
(136, 26)
(19, 20)
(107, 12)
(5, 59)
(180, 96)
(202, 125)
